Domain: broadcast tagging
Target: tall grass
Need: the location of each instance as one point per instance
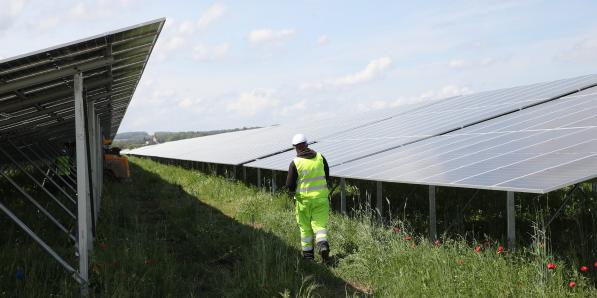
(174, 232)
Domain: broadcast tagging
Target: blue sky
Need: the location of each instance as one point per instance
(224, 64)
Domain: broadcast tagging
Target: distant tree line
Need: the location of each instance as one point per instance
(135, 139)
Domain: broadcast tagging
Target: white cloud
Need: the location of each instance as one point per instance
(187, 27)
(269, 36)
(195, 105)
(372, 71)
(298, 106)
(9, 11)
(323, 40)
(457, 63)
(582, 51)
(250, 103)
(214, 12)
(79, 11)
(443, 92)
(206, 52)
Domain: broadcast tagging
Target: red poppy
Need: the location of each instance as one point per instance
(397, 229)
(103, 245)
(584, 268)
(460, 262)
(500, 249)
(572, 284)
(408, 238)
(150, 261)
(595, 265)
(551, 266)
(478, 249)
(437, 243)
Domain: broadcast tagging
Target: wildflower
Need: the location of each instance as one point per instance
(584, 268)
(150, 261)
(595, 265)
(460, 262)
(396, 229)
(408, 238)
(478, 249)
(500, 249)
(103, 245)
(572, 284)
(437, 243)
(551, 266)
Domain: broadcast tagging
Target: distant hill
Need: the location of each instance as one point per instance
(133, 135)
(135, 139)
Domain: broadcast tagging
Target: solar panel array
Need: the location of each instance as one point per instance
(36, 89)
(483, 140)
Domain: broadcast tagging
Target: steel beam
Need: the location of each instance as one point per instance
(83, 196)
(38, 206)
(511, 214)
(379, 194)
(41, 243)
(39, 184)
(53, 75)
(343, 195)
(46, 175)
(259, 178)
(274, 181)
(432, 214)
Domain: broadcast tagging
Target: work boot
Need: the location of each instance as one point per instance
(308, 255)
(324, 250)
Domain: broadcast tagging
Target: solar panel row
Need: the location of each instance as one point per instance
(508, 139)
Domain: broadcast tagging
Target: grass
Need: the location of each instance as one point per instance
(173, 232)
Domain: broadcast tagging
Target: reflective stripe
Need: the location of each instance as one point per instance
(322, 231)
(307, 239)
(322, 239)
(306, 189)
(312, 179)
(307, 248)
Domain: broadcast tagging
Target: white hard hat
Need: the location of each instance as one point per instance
(298, 138)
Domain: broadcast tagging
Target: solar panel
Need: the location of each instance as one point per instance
(431, 120)
(538, 150)
(236, 148)
(36, 89)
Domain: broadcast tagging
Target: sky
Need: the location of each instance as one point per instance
(227, 64)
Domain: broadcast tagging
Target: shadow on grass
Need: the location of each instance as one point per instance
(156, 240)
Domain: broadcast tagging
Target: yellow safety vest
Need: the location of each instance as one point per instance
(311, 181)
(62, 166)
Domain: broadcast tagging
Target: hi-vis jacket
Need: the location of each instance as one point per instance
(312, 180)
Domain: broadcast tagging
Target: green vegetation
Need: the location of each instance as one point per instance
(173, 232)
(130, 140)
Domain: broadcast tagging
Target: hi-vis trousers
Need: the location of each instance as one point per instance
(312, 216)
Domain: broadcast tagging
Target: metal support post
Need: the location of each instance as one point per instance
(342, 195)
(83, 196)
(379, 194)
(511, 214)
(91, 150)
(244, 174)
(259, 178)
(432, 215)
(274, 181)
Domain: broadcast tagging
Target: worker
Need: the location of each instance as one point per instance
(63, 163)
(307, 181)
